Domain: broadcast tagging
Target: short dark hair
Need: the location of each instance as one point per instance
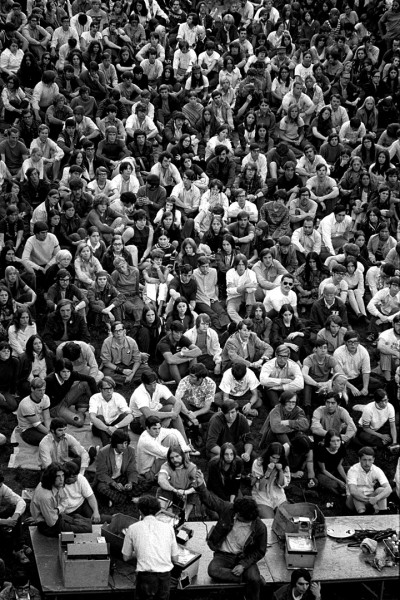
(246, 508)
(119, 437)
(57, 423)
(148, 505)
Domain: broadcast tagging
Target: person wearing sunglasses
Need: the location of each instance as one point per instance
(284, 294)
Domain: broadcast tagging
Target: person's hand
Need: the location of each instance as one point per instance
(372, 500)
(294, 347)
(278, 466)
(10, 521)
(217, 369)
(386, 439)
(315, 589)
(96, 517)
(364, 391)
(354, 390)
(246, 408)
(118, 486)
(128, 487)
(285, 423)
(111, 430)
(271, 466)
(238, 570)
(199, 478)
(342, 485)
(245, 456)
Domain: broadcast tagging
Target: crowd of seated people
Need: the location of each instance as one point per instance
(199, 240)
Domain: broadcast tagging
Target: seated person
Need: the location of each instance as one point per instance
(120, 356)
(332, 416)
(284, 294)
(196, 392)
(108, 411)
(152, 448)
(389, 349)
(245, 347)
(330, 453)
(20, 585)
(300, 586)
(12, 507)
(33, 413)
(59, 446)
(82, 358)
(325, 307)
(228, 425)
(79, 497)
(178, 353)
(65, 324)
(377, 426)
(47, 506)
(354, 361)
(69, 392)
(240, 384)
(206, 338)
(116, 474)
(270, 474)
(241, 284)
(367, 485)
(176, 478)
(238, 562)
(318, 367)
(154, 399)
(384, 306)
(225, 473)
(284, 422)
(280, 374)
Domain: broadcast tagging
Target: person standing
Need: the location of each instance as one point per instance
(154, 545)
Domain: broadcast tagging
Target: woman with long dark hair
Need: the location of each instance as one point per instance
(289, 330)
(270, 474)
(225, 472)
(330, 454)
(367, 150)
(308, 278)
(214, 237)
(21, 330)
(261, 323)
(370, 224)
(36, 361)
(29, 73)
(149, 331)
(181, 312)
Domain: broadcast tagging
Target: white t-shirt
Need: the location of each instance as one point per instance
(76, 493)
(28, 408)
(109, 410)
(141, 399)
(236, 388)
(375, 418)
(275, 299)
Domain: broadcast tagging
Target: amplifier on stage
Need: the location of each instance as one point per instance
(85, 560)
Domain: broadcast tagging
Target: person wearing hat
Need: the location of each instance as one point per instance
(40, 250)
(367, 484)
(337, 279)
(285, 252)
(177, 353)
(280, 374)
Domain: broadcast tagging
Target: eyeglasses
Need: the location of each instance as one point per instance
(288, 283)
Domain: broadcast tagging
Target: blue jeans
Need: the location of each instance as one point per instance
(151, 586)
(220, 569)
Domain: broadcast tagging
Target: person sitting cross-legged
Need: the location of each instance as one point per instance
(377, 426)
(108, 411)
(116, 474)
(240, 384)
(367, 484)
(176, 478)
(60, 446)
(332, 416)
(238, 540)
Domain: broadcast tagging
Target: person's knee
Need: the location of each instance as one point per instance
(213, 569)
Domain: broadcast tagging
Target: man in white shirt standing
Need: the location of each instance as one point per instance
(154, 545)
(362, 481)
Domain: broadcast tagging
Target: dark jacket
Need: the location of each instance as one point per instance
(225, 171)
(219, 432)
(57, 392)
(255, 546)
(54, 330)
(320, 312)
(105, 465)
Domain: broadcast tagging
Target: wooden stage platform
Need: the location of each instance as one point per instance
(335, 562)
